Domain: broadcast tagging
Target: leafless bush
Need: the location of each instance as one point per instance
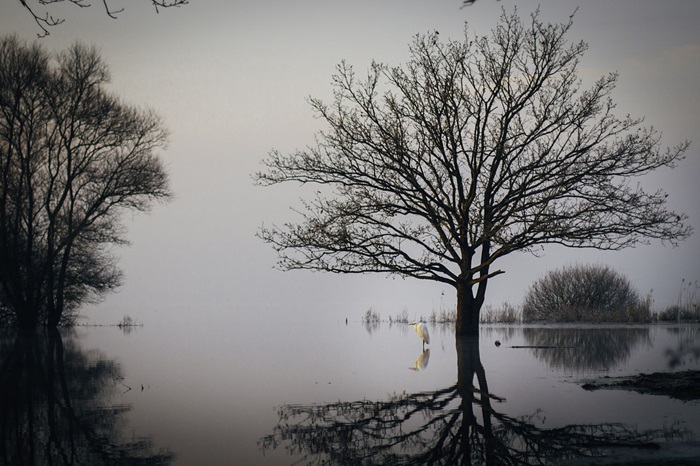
(401, 318)
(584, 293)
(443, 316)
(371, 316)
(505, 314)
(687, 309)
(676, 313)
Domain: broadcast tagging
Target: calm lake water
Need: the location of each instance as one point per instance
(276, 393)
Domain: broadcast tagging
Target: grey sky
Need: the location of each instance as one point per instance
(231, 78)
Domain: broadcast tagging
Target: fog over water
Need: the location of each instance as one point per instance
(231, 81)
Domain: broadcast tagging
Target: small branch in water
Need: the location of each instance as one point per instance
(538, 347)
(121, 381)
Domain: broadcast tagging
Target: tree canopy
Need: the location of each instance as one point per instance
(471, 150)
(73, 158)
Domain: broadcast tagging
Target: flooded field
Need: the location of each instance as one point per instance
(280, 392)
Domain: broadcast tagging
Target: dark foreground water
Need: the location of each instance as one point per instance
(311, 392)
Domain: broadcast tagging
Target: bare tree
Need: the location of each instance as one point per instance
(73, 158)
(470, 151)
(45, 20)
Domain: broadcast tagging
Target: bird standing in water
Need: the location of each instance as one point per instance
(422, 331)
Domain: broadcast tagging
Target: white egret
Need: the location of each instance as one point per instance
(422, 331)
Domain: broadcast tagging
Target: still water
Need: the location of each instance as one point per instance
(276, 393)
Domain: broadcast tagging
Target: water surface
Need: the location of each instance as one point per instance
(274, 393)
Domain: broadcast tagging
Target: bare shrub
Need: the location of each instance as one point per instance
(584, 293)
(443, 316)
(676, 313)
(688, 307)
(401, 318)
(505, 314)
(371, 316)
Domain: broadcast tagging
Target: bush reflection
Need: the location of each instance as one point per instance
(585, 349)
(55, 406)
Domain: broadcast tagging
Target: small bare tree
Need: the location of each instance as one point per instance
(472, 150)
(73, 158)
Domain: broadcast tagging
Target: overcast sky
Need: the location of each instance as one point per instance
(231, 80)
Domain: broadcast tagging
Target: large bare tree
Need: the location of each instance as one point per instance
(73, 158)
(472, 150)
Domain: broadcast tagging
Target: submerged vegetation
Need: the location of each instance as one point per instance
(688, 306)
(506, 313)
(127, 324)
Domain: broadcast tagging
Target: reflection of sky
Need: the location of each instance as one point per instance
(211, 391)
(231, 78)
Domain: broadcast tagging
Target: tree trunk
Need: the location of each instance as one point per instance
(468, 364)
(56, 295)
(55, 309)
(468, 309)
(27, 317)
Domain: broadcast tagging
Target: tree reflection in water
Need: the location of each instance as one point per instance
(687, 349)
(460, 424)
(585, 349)
(54, 406)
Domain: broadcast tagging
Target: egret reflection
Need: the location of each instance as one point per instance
(422, 361)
